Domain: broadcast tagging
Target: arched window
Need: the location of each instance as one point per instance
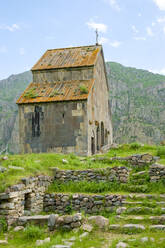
(98, 137)
(102, 134)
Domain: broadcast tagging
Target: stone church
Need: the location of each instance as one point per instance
(66, 108)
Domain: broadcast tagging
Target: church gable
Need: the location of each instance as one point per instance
(68, 58)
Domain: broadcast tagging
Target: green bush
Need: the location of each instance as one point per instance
(33, 232)
(161, 151)
(3, 225)
(83, 89)
(135, 146)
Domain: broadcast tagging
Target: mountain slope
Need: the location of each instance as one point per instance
(138, 104)
(137, 100)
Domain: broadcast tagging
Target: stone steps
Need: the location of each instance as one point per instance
(141, 203)
(135, 228)
(142, 219)
(144, 210)
(139, 196)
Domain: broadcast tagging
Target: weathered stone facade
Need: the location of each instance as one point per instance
(73, 120)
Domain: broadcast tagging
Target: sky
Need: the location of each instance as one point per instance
(132, 32)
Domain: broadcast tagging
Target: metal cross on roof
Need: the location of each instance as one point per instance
(97, 36)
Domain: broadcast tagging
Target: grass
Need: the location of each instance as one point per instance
(35, 164)
(27, 238)
(106, 187)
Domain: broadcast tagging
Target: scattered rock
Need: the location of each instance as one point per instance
(158, 227)
(83, 235)
(145, 239)
(18, 228)
(100, 221)
(5, 158)
(3, 242)
(65, 161)
(133, 227)
(114, 227)
(41, 242)
(121, 245)
(87, 227)
(2, 169)
(15, 167)
(52, 221)
(120, 210)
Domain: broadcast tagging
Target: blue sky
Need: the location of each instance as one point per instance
(132, 32)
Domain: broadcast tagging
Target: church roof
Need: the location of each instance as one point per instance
(68, 57)
(56, 91)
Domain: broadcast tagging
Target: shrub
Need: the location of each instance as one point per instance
(135, 146)
(3, 225)
(83, 89)
(161, 151)
(33, 232)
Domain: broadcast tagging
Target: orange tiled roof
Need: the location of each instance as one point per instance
(68, 57)
(56, 91)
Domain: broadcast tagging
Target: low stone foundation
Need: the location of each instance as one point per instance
(108, 174)
(26, 196)
(54, 221)
(91, 204)
(157, 172)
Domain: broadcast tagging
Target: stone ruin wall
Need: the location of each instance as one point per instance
(25, 196)
(29, 196)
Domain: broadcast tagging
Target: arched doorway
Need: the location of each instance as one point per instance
(102, 134)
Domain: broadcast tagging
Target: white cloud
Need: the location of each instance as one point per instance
(101, 27)
(153, 24)
(103, 40)
(11, 28)
(22, 51)
(135, 30)
(160, 71)
(115, 44)
(161, 19)
(113, 4)
(149, 31)
(140, 38)
(3, 49)
(160, 4)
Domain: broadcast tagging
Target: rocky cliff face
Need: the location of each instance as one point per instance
(137, 101)
(10, 89)
(138, 104)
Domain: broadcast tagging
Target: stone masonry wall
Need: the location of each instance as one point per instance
(91, 204)
(108, 174)
(157, 172)
(26, 196)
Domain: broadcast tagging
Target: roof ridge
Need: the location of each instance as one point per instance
(73, 47)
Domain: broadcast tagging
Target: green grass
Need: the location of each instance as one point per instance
(106, 187)
(35, 164)
(27, 238)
